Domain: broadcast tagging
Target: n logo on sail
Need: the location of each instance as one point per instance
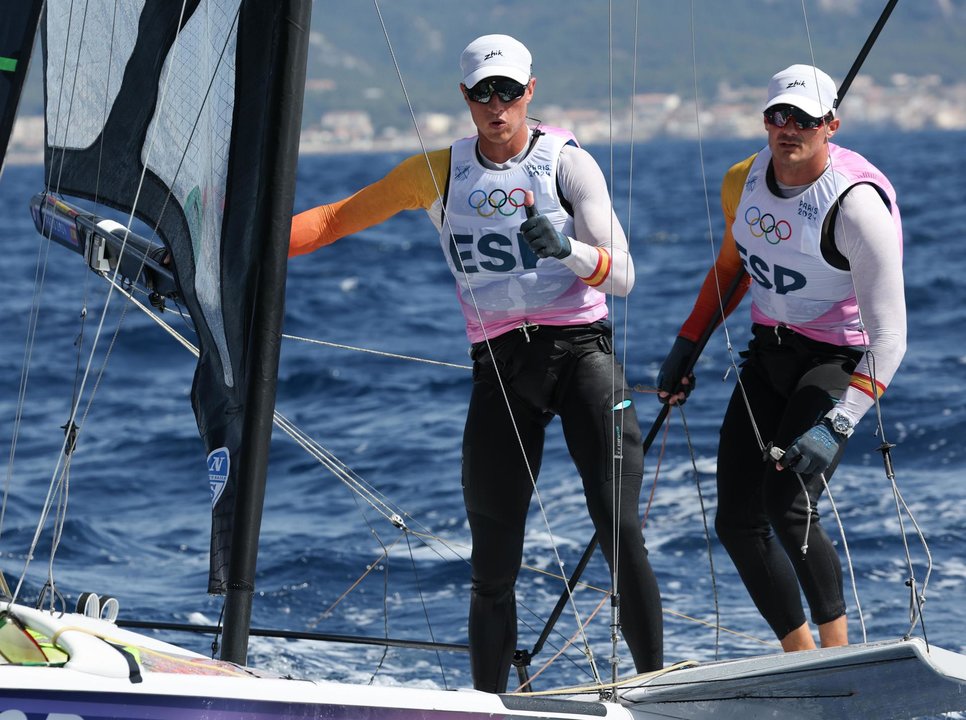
(219, 462)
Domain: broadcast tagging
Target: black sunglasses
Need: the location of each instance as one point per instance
(779, 115)
(508, 90)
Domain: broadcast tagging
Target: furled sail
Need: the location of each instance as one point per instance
(17, 30)
(171, 111)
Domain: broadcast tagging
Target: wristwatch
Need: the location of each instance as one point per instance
(840, 422)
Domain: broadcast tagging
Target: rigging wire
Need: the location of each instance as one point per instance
(615, 462)
(536, 493)
(100, 329)
(40, 270)
(918, 596)
(62, 465)
(63, 488)
(57, 491)
(72, 428)
(359, 487)
(425, 609)
(727, 334)
(39, 281)
(618, 368)
(381, 353)
(707, 534)
(375, 500)
(369, 495)
(399, 74)
(896, 493)
(838, 519)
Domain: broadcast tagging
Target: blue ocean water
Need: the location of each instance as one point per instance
(138, 516)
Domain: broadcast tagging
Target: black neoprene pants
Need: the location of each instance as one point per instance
(567, 372)
(791, 381)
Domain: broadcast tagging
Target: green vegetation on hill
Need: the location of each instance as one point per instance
(583, 48)
(586, 51)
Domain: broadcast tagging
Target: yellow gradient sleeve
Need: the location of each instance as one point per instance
(415, 183)
(727, 267)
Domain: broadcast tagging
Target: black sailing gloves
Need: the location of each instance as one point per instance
(813, 451)
(671, 387)
(543, 238)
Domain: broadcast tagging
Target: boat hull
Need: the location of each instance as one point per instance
(99, 670)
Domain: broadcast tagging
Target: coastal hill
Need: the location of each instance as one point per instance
(372, 72)
(616, 69)
(591, 53)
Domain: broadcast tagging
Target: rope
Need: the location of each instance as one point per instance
(918, 597)
(59, 485)
(536, 493)
(381, 353)
(848, 557)
(59, 473)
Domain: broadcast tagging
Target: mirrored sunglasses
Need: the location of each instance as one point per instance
(779, 115)
(508, 90)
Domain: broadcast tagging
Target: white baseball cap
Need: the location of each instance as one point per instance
(804, 86)
(495, 56)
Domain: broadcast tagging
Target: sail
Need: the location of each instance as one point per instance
(172, 111)
(16, 41)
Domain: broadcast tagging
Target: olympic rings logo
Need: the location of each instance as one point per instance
(765, 225)
(487, 205)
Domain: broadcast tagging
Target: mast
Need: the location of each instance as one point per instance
(284, 103)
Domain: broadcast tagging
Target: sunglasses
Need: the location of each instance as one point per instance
(507, 90)
(779, 115)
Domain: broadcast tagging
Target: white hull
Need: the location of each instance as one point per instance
(894, 679)
(152, 679)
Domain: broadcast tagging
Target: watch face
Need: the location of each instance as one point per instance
(841, 424)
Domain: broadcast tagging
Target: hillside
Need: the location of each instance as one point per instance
(737, 43)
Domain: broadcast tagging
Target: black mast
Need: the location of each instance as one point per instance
(283, 103)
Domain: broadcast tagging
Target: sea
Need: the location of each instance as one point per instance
(137, 525)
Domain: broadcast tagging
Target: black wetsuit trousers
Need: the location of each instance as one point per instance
(567, 372)
(763, 514)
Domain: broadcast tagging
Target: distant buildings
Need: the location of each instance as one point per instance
(26, 141)
(905, 104)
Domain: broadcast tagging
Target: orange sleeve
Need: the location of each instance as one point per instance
(417, 182)
(727, 269)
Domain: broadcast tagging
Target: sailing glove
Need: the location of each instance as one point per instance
(675, 369)
(813, 451)
(543, 238)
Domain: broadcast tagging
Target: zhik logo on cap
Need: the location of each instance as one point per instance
(495, 56)
(804, 86)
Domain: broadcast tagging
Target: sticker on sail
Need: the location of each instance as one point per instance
(194, 214)
(218, 464)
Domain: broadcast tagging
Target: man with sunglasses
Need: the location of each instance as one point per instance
(814, 230)
(528, 232)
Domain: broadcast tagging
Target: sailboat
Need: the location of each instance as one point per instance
(177, 91)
